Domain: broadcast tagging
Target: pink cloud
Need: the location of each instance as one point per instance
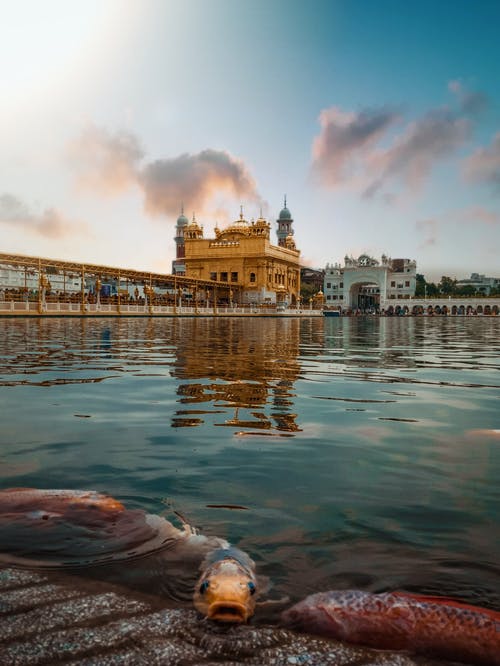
(483, 166)
(109, 163)
(344, 143)
(424, 142)
(348, 149)
(428, 229)
(479, 214)
(194, 179)
(49, 223)
(105, 162)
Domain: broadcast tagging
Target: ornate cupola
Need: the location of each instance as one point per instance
(261, 226)
(193, 231)
(285, 225)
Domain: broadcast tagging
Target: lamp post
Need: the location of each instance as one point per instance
(98, 285)
(82, 292)
(43, 282)
(151, 298)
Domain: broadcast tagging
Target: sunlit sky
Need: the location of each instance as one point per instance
(380, 121)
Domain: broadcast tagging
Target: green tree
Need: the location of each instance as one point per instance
(420, 285)
(465, 290)
(447, 285)
(432, 289)
(307, 291)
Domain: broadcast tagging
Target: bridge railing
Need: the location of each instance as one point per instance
(20, 307)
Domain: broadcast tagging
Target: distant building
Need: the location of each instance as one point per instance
(242, 255)
(480, 283)
(364, 282)
(313, 277)
(22, 277)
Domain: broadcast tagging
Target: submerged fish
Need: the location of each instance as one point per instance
(399, 621)
(95, 536)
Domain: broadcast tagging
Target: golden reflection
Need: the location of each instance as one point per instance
(251, 369)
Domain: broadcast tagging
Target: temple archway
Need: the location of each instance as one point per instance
(363, 294)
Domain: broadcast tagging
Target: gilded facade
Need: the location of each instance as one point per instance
(243, 256)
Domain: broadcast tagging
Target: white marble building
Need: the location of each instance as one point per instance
(366, 282)
(16, 277)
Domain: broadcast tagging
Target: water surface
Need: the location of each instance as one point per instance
(339, 453)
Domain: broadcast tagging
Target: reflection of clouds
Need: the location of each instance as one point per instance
(11, 469)
(482, 434)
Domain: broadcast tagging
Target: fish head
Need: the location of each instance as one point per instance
(323, 613)
(227, 588)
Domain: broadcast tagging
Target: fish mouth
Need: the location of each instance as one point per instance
(228, 611)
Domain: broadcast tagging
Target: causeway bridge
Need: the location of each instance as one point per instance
(36, 286)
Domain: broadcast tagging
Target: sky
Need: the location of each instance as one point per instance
(379, 120)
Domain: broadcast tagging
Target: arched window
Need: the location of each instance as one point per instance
(252, 277)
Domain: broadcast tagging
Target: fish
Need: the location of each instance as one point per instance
(94, 535)
(435, 626)
(227, 588)
(17, 499)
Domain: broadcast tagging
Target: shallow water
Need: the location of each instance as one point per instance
(340, 453)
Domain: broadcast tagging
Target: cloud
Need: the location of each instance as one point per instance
(111, 163)
(411, 157)
(50, 223)
(345, 141)
(471, 102)
(483, 166)
(348, 148)
(194, 179)
(475, 214)
(428, 229)
(105, 162)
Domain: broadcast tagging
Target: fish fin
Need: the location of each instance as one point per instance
(185, 522)
(270, 603)
(448, 601)
(188, 528)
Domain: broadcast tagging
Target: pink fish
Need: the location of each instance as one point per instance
(400, 621)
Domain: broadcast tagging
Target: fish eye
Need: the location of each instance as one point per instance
(204, 587)
(251, 587)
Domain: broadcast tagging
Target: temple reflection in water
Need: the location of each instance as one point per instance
(245, 372)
